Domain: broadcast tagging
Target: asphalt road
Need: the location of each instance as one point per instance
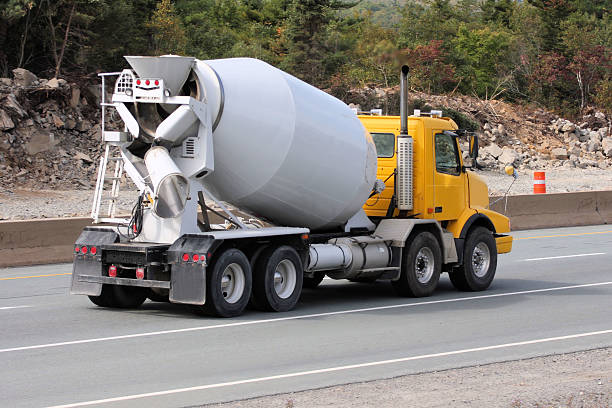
(552, 294)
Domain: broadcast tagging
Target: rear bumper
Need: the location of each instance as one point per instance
(504, 243)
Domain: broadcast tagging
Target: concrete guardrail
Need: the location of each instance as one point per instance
(45, 241)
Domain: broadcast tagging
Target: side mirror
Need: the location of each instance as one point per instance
(474, 147)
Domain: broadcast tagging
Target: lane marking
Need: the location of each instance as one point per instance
(13, 307)
(564, 235)
(36, 276)
(563, 256)
(308, 316)
(332, 369)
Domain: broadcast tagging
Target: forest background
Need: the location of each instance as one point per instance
(556, 54)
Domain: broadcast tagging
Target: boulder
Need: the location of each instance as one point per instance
(559, 153)
(568, 127)
(75, 97)
(606, 146)
(593, 146)
(23, 77)
(508, 156)
(83, 126)
(83, 157)
(6, 81)
(53, 83)
(40, 142)
(10, 103)
(5, 121)
(494, 150)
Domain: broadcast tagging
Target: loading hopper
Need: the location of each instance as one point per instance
(173, 69)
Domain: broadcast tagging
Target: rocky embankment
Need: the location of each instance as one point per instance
(50, 133)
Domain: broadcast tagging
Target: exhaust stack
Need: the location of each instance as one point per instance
(172, 68)
(403, 185)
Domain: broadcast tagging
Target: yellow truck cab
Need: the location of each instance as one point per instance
(443, 189)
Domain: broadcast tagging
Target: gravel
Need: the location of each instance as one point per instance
(582, 379)
(27, 203)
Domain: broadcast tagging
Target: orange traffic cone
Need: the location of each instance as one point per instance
(539, 182)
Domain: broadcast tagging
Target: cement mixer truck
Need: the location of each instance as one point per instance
(253, 185)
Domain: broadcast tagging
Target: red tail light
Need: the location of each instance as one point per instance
(138, 82)
(185, 257)
(147, 82)
(112, 271)
(156, 82)
(195, 257)
(140, 272)
(93, 250)
(84, 249)
(77, 249)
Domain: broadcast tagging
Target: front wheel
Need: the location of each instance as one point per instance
(421, 267)
(479, 262)
(277, 280)
(228, 285)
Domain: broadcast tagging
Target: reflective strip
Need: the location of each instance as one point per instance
(539, 182)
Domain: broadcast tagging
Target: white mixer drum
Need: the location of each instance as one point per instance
(284, 149)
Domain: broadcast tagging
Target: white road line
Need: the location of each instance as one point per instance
(564, 256)
(332, 369)
(13, 307)
(283, 319)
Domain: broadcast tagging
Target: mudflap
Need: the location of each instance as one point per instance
(188, 278)
(88, 264)
(188, 284)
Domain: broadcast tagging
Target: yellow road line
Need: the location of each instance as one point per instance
(36, 276)
(565, 235)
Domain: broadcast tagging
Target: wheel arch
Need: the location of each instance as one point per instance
(476, 220)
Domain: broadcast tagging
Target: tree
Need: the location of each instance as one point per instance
(428, 69)
(481, 55)
(168, 34)
(306, 36)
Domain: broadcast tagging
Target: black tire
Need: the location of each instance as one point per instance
(277, 279)
(235, 267)
(311, 283)
(467, 277)
(418, 255)
(123, 297)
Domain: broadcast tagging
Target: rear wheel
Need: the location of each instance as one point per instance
(228, 285)
(421, 266)
(314, 281)
(277, 280)
(124, 297)
(479, 262)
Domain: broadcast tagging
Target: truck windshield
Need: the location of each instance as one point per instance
(385, 144)
(447, 157)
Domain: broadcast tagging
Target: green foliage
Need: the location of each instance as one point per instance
(482, 55)
(168, 34)
(552, 52)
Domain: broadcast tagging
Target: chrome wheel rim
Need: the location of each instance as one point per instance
(424, 265)
(481, 259)
(232, 283)
(285, 278)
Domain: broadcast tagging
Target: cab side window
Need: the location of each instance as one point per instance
(447, 156)
(385, 144)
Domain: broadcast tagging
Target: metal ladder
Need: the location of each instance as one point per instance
(112, 155)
